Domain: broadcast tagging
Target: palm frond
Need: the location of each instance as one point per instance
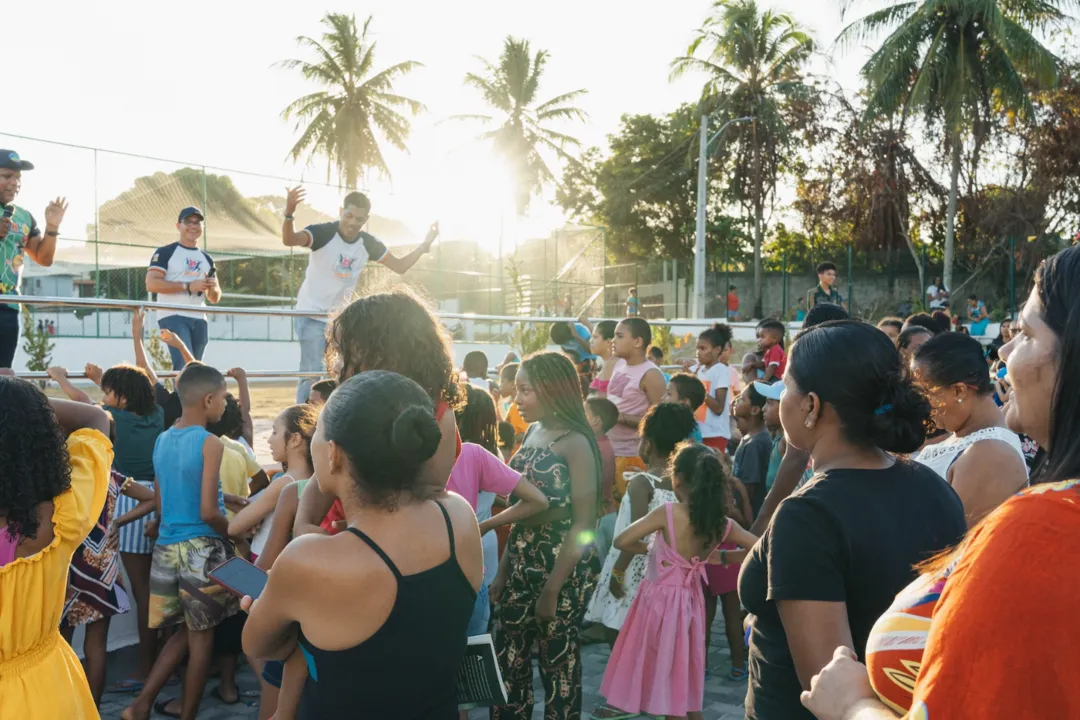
(560, 99)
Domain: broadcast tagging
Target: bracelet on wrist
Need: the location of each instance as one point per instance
(618, 574)
(290, 218)
(52, 233)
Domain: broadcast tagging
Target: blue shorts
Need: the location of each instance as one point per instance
(481, 614)
(273, 671)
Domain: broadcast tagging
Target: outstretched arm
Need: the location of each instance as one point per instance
(290, 237)
(59, 375)
(244, 398)
(173, 341)
(401, 265)
(138, 318)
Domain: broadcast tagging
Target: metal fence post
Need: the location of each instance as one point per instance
(1012, 277)
(97, 242)
(850, 284)
(206, 223)
(783, 281)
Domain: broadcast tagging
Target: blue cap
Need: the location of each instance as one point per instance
(10, 160)
(188, 212)
(769, 391)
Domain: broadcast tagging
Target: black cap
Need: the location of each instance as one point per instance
(10, 160)
(189, 211)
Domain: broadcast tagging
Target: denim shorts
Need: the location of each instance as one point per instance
(481, 614)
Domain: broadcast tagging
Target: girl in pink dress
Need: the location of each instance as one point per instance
(658, 663)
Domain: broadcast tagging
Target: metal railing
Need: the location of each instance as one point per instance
(252, 374)
(282, 312)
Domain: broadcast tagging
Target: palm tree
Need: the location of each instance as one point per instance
(958, 62)
(754, 61)
(341, 121)
(522, 137)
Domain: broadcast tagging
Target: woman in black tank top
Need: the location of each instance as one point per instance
(379, 612)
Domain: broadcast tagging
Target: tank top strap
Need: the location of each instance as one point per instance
(379, 551)
(449, 529)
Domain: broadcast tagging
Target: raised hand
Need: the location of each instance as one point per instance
(138, 317)
(238, 373)
(57, 373)
(293, 198)
(170, 339)
(433, 232)
(93, 372)
(54, 212)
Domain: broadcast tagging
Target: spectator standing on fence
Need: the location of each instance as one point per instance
(824, 293)
(182, 273)
(633, 304)
(937, 295)
(339, 251)
(20, 233)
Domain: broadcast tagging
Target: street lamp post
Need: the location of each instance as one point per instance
(702, 198)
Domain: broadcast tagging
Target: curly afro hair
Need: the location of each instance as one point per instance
(34, 462)
(395, 331)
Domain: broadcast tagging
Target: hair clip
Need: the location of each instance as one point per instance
(883, 409)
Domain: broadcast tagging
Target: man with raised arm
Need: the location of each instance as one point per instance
(339, 251)
(19, 234)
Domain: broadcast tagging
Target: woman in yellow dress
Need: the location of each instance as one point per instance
(54, 474)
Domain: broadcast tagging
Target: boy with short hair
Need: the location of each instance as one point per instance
(824, 293)
(320, 392)
(656, 355)
(751, 464)
(192, 540)
(476, 370)
(602, 416)
(771, 345)
(636, 385)
(687, 390)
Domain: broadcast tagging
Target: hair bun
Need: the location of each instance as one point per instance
(416, 433)
(899, 422)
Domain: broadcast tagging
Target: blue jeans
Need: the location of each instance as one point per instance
(194, 333)
(481, 614)
(312, 336)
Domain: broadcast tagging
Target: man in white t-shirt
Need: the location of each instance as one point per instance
(182, 273)
(339, 251)
(937, 296)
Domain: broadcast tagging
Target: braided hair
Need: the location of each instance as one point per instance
(555, 381)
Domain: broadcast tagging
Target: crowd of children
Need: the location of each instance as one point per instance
(589, 443)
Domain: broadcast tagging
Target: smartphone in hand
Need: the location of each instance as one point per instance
(240, 577)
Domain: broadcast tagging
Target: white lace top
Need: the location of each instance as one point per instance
(941, 456)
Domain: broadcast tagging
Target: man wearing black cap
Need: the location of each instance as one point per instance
(19, 233)
(183, 274)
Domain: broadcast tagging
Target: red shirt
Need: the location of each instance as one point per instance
(775, 356)
(337, 513)
(732, 302)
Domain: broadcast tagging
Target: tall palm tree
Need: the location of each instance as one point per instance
(341, 121)
(958, 62)
(522, 137)
(754, 60)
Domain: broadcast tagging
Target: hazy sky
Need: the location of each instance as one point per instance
(194, 81)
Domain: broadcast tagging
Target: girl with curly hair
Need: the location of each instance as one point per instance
(658, 663)
(55, 459)
(392, 331)
(549, 568)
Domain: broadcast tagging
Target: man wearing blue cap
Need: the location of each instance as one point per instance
(20, 233)
(182, 273)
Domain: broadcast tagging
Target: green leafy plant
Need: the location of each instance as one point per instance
(663, 338)
(159, 355)
(37, 345)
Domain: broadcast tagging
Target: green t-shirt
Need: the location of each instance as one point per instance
(23, 227)
(136, 435)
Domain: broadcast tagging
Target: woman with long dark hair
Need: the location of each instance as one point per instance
(392, 331)
(55, 460)
(548, 570)
(981, 458)
(990, 630)
(839, 549)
